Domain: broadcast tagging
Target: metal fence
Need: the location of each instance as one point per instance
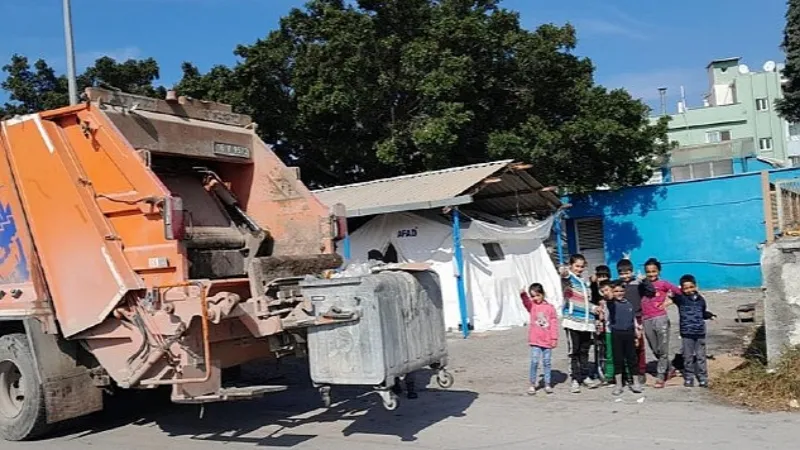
(786, 207)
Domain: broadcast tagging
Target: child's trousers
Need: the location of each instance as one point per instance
(579, 343)
(657, 332)
(545, 356)
(609, 368)
(694, 358)
(625, 352)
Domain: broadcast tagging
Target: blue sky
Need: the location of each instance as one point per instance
(636, 44)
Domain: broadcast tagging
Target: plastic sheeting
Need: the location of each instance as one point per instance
(492, 286)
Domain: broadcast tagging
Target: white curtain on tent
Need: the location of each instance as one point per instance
(492, 286)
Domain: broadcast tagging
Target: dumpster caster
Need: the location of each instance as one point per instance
(325, 394)
(445, 379)
(389, 400)
(390, 405)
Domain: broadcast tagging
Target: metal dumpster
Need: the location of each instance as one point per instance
(399, 328)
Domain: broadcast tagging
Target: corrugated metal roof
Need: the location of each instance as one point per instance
(516, 192)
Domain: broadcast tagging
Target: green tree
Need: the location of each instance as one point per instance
(356, 90)
(789, 106)
(38, 88)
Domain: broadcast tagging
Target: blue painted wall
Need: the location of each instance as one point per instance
(711, 228)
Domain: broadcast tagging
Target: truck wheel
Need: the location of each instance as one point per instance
(22, 409)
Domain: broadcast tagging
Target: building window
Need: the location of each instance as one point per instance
(714, 137)
(794, 131)
(765, 144)
(494, 251)
(795, 160)
(700, 170)
(762, 104)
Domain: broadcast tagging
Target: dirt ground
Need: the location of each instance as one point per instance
(504, 359)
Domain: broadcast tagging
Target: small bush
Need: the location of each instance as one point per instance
(752, 385)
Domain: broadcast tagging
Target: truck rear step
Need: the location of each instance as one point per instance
(233, 393)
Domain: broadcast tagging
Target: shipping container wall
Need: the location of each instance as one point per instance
(710, 228)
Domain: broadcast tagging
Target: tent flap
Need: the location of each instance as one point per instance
(493, 286)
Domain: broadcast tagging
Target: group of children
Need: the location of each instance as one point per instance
(616, 318)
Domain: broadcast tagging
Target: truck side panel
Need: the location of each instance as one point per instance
(117, 172)
(19, 268)
(87, 273)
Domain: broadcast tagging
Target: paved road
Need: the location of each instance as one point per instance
(486, 409)
(458, 419)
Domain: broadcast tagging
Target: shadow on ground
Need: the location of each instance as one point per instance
(270, 421)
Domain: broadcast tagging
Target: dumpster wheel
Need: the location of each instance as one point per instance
(445, 379)
(391, 404)
(325, 395)
(389, 399)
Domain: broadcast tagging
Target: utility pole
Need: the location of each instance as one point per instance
(73, 84)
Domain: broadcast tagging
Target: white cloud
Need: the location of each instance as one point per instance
(607, 27)
(86, 59)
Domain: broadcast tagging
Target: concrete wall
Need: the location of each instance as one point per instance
(780, 264)
(711, 228)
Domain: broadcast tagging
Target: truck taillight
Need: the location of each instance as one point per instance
(339, 222)
(174, 228)
(339, 228)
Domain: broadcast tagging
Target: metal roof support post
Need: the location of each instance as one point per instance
(346, 249)
(559, 243)
(458, 255)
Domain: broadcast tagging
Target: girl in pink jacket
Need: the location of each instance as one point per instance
(542, 336)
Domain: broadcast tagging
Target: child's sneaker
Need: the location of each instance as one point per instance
(703, 384)
(548, 389)
(688, 383)
(576, 387)
(532, 390)
(636, 388)
(591, 384)
(618, 390)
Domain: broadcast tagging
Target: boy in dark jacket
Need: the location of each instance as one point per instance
(602, 275)
(622, 321)
(633, 292)
(693, 313)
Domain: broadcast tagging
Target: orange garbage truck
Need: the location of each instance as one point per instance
(155, 242)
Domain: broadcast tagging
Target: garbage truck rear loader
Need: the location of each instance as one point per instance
(145, 243)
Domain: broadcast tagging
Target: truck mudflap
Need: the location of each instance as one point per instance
(68, 387)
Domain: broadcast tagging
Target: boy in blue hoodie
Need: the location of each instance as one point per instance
(693, 313)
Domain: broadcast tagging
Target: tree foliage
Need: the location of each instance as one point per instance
(357, 90)
(789, 106)
(354, 91)
(38, 88)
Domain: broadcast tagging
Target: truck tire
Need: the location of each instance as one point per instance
(22, 407)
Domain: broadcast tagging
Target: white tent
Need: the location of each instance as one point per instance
(518, 258)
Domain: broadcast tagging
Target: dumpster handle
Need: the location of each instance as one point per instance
(206, 342)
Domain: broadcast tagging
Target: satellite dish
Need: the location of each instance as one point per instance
(743, 69)
(769, 66)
